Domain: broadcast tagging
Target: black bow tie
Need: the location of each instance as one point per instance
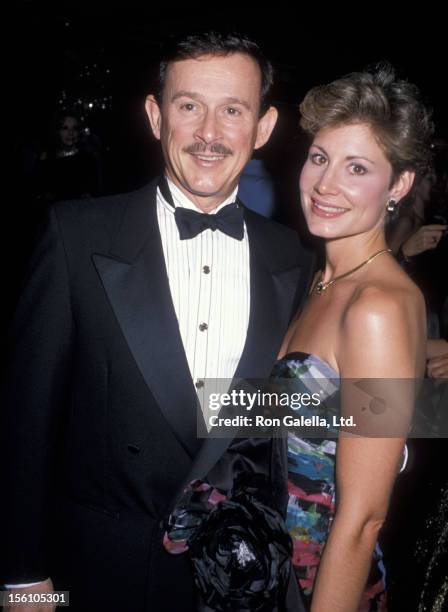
(229, 220)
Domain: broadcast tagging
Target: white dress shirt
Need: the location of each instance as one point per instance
(209, 277)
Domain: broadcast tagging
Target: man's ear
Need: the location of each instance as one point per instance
(402, 185)
(265, 126)
(154, 115)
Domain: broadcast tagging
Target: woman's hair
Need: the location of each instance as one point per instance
(391, 107)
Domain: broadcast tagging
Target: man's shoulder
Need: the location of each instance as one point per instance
(277, 238)
(93, 224)
(278, 244)
(88, 209)
(263, 224)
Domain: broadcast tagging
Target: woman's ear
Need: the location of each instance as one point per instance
(402, 185)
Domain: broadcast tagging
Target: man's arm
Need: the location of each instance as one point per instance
(35, 390)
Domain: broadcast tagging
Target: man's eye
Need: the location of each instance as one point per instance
(188, 106)
(232, 111)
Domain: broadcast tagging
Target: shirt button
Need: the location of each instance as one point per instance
(206, 269)
(203, 326)
(199, 384)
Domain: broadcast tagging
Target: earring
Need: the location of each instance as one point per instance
(392, 206)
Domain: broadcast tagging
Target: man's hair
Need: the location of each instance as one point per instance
(216, 43)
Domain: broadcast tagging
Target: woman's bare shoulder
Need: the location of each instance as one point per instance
(396, 295)
(383, 330)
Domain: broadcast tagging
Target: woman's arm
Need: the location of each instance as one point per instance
(438, 367)
(392, 331)
(365, 475)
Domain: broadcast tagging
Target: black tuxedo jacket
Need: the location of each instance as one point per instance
(99, 428)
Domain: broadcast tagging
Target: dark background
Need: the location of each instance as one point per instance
(101, 54)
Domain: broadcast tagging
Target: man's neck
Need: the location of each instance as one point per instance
(193, 202)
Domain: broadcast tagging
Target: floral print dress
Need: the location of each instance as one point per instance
(311, 480)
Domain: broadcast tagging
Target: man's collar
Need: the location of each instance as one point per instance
(181, 201)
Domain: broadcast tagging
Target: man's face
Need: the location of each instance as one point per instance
(209, 124)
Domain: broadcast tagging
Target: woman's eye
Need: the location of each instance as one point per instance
(318, 158)
(358, 170)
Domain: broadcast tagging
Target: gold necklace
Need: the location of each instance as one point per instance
(321, 286)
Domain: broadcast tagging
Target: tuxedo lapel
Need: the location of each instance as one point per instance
(272, 289)
(134, 277)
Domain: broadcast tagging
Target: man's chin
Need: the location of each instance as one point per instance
(198, 191)
(206, 192)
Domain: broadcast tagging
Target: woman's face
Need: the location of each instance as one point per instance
(345, 184)
(69, 132)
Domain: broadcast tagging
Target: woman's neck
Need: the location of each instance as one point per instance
(343, 254)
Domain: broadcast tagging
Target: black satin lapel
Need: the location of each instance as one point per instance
(271, 296)
(141, 299)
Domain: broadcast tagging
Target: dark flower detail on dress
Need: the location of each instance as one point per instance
(240, 548)
(193, 507)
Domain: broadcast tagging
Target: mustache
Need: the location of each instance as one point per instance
(199, 147)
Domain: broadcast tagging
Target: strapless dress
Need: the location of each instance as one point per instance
(311, 480)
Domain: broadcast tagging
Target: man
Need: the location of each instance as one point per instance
(128, 308)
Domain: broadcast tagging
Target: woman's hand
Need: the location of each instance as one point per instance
(436, 347)
(425, 238)
(437, 367)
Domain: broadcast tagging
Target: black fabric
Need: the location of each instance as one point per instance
(229, 220)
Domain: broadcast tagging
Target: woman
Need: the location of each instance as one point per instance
(67, 169)
(364, 319)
